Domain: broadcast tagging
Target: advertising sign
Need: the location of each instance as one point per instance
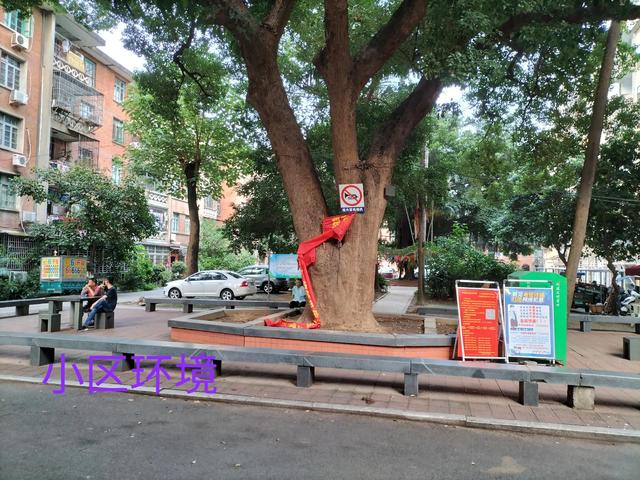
(478, 322)
(50, 268)
(74, 268)
(351, 197)
(284, 265)
(528, 314)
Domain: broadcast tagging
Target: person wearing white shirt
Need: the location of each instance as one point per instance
(298, 295)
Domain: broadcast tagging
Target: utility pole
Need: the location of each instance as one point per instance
(422, 230)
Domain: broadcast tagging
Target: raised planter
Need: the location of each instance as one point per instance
(218, 327)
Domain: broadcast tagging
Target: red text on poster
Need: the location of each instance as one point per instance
(478, 322)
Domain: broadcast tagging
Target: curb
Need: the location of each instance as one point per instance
(553, 429)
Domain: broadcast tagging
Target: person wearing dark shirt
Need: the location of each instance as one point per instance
(107, 303)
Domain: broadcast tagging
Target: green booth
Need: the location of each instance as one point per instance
(559, 286)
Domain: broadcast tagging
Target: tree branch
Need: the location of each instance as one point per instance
(372, 57)
(336, 50)
(235, 16)
(278, 17)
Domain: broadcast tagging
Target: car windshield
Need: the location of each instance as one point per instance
(234, 274)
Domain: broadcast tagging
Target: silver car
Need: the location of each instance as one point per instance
(212, 283)
(264, 283)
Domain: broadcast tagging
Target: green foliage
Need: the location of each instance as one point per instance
(178, 269)
(455, 258)
(100, 216)
(12, 290)
(139, 274)
(216, 252)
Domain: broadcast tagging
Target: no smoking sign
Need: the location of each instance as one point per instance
(351, 197)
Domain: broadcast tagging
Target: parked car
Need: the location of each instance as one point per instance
(266, 284)
(212, 283)
(388, 272)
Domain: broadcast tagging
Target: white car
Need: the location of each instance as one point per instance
(212, 283)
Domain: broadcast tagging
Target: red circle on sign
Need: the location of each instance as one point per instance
(349, 201)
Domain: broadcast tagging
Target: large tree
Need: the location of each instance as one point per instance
(426, 45)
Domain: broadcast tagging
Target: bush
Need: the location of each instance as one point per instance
(13, 290)
(455, 258)
(178, 269)
(140, 272)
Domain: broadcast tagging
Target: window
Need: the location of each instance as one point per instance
(7, 197)
(116, 170)
(187, 224)
(120, 90)
(175, 222)
(118, 131)
(157, 254)
(90, 70)
(85, 154)
(9, 131)
(87, 110)
(16, 21)
(208, 202)
(10, 72)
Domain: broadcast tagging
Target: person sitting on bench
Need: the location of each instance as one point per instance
(298, 295)
(91, 289)
(107, 303)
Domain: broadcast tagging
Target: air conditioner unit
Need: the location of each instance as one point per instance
(19, 41)
(29, 217)
(19, 160)
(18, 276)
(18, 97)
(173, 237)
(66, 45)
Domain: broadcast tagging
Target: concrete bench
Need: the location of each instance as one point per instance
(587, 320)
(631, 348)
(581, 383)
(105, 320)
(189, 303)
(22, 305)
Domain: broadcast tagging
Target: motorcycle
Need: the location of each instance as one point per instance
(626, 299)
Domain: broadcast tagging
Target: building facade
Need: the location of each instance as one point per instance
(61, 103)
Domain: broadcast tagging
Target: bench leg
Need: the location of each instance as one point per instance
(305, 376)
(187, 308)
(411, 384)
(528, 394)
(638, 328)
(585, 326)
(76, 315)
(581, 398)
(149, 307)
(22, 310)
(42, 356)
(125, 363)
(218, 364)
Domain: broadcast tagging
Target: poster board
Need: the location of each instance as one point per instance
(351, 197)
(284, 265)
(528, 313)
(50, 268)
(74, 268)
(479, 320)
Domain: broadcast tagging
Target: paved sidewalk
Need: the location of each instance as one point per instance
(396, 301)
(450, 397)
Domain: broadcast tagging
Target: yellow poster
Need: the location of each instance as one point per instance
(50, 268)
(74, 268)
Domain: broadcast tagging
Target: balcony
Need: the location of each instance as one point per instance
(75, 104)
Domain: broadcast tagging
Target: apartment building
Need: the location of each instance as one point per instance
(61, 104)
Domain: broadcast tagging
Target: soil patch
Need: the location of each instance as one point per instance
(236, 316)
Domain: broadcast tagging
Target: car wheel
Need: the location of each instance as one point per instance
(267, 287)
(226, 294)
(174, 293)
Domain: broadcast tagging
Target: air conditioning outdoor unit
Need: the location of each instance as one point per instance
(18, 97)
(18, 276)
(19, 41)
(173, 237)
(29, 217)
(19, 160)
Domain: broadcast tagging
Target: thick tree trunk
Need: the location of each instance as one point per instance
(191, 171)
(591, 159)
(611, 303)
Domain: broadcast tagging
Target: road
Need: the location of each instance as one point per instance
(124, 436)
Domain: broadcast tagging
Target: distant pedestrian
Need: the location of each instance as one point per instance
(107, 303)
(91, 289)
(298, 295)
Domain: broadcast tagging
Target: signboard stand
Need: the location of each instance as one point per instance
(529, 319)
(479, 320)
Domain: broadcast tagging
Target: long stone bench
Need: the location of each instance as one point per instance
(587, 320)
(580, 392)
(189, 303)
(22, 305)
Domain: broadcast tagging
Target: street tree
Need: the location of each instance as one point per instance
(102, 220)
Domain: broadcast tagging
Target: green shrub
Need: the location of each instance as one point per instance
(455, 258)
(13, 290)
(140, 272)
(178, 269)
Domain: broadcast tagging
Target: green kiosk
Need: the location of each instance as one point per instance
(559, 286)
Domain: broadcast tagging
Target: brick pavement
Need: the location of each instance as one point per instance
(615, 408)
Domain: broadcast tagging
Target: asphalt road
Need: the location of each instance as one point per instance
(124, 436)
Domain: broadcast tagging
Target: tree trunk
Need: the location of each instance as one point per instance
(191, 171)
(611, 304)
(591, 159)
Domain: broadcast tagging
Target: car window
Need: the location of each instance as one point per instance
(246, 271)
(196, 276)
(218, 276)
